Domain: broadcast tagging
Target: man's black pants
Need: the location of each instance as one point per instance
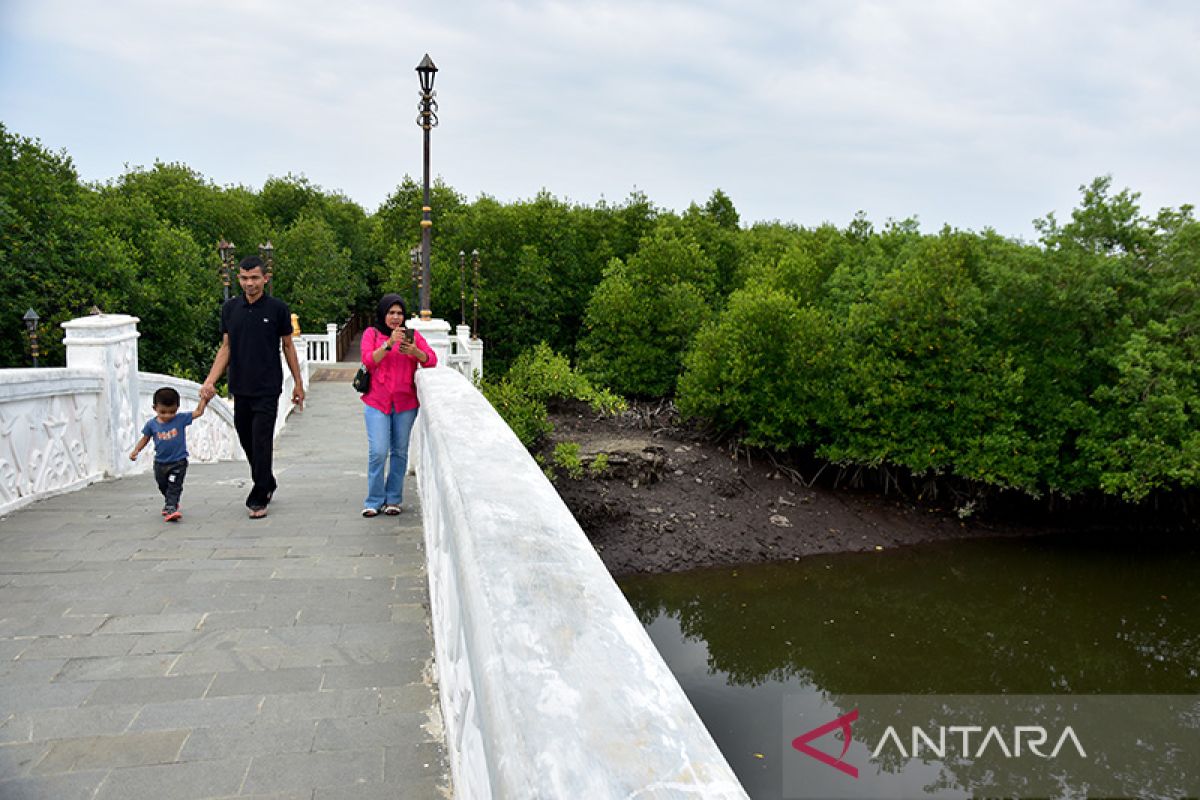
(254, 418)
(170, 477)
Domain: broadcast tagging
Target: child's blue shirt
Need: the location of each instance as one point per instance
(170, 441)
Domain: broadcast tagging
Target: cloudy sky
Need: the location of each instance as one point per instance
(975, 113)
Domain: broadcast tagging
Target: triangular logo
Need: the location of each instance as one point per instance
(842, 723)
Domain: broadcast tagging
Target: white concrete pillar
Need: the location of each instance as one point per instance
(437, 333)
(331, 334)
(475, 347)
(107, 343)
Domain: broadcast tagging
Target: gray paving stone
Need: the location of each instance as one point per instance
(68, 647)
(196, 713)
(297, 771)
(329, 704)
(31, 671)
(16, 760)
(276, 681)
(343, 614)
(102, 752)
(412, 790)
(360, 733)
(29, 697)
(151, 623)
(64, 723)
(407, 762)
(257, 738)
(361, 676)
(76, 786)
(299, 636)
(239, 660)
(142, 691)
(110, 665)
(98, 669)
(10, 649)
(184, 781)
(59, 625)
(248, 619)
(411, 697)
(184, 642)
(92, 604)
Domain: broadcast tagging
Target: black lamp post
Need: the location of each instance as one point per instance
(414, 262)
(31, 324)
(267, 253)
(475, 296)
(226, 248)
(462, 292)
(428, 121)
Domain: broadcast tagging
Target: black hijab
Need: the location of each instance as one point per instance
(386, 302)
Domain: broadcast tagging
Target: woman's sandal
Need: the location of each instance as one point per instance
(258, 513)
(392, 509)
(370, 512)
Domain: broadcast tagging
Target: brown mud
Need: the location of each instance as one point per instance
(673, 499)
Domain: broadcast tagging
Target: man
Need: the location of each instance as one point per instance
(252, 328)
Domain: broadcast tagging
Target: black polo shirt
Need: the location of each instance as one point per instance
(255, 368)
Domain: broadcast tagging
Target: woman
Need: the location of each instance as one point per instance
(391, 353)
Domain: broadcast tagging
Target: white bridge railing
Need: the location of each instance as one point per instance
(550, 686)
(457, 350)
(320, 348)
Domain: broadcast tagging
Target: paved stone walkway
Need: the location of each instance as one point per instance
(221, 657)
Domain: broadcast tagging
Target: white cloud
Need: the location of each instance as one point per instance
(973, 112)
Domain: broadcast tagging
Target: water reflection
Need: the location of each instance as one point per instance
(993, 617)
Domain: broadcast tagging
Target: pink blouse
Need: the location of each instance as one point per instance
(392, 387)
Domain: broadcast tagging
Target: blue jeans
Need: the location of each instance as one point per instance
(387, 447)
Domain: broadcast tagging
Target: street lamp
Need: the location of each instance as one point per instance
(226, 248)
(267, 253)
(427, 120)
(414, 261)
(31, 323)
(462, 293)
(475, 296)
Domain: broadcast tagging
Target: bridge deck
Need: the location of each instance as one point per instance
(217, 657)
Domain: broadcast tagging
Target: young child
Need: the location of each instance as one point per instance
(170, 446)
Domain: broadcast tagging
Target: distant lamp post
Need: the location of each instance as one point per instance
(226, 249)
(414, 261)
(475, 296)
(267, 253)
(427, 120)
(462, 292)
(31, 327)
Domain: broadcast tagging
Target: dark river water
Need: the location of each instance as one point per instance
(993, 617)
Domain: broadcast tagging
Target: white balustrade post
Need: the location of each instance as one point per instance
(107, 343)
(475, 348)
(437, 333)
(331, 333)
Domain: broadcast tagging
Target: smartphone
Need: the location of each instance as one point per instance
(409, 335)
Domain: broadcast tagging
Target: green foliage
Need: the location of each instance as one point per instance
(312, 272)
(566, 458)
(526, 416)
(55, 256)
(1063, 367)
(537, 376)
(545, 375)
(643, 315)
(599, 465)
